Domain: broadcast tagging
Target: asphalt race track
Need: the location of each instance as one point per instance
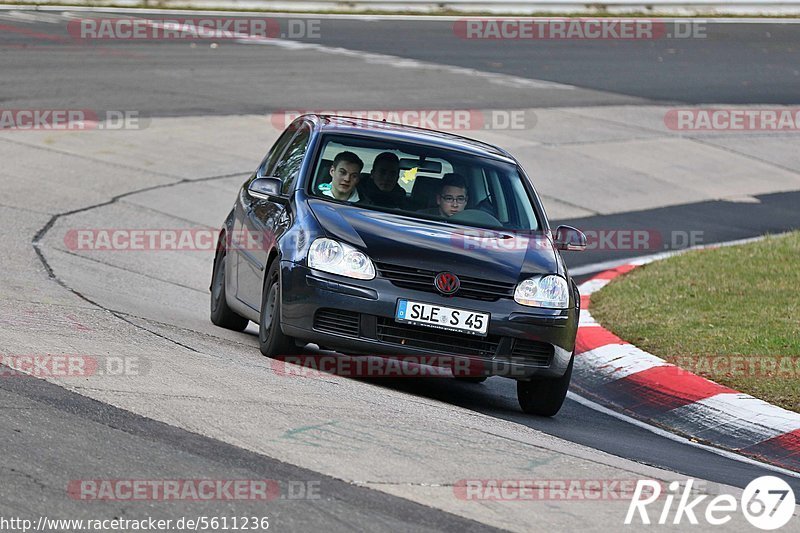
(348, 454)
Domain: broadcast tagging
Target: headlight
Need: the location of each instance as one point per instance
(543, 291)
(339, 258)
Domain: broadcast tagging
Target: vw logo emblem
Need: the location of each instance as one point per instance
(446, 282)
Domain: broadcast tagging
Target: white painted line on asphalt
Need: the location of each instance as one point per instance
(31, 17)
(387, 16)
(404, 62)
(676, 438)
(380, 59)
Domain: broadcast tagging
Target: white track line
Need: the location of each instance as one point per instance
(388, 16)
(404, 62)
(671, 436)
(30, 17)
(383, 59)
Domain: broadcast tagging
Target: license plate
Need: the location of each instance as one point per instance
(441, 317)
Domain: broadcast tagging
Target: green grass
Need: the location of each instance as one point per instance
(704, 308)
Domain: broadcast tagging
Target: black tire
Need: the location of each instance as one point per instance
(544, 397)
(271, 340)
(472, 380)
(222, 315)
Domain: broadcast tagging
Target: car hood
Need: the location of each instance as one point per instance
(431, 245)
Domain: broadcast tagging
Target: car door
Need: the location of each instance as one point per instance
(239, 250)
(263, 222)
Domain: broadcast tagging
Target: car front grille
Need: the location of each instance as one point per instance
(337, 321)
(422, 280)
(532, 352)
(348, 323)
(436, 340)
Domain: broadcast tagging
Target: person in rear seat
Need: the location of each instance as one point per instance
(381, 187)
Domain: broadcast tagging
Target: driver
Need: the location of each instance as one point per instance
(345, 173)
(452, 196)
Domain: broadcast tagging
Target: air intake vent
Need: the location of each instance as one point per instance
(532, 352)
(436, 340)
(337, 321)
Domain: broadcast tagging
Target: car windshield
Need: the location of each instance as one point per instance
(423, 182)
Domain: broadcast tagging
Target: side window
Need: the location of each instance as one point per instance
(277, 150)
(288, 168)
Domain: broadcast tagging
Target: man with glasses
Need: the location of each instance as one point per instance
(452, 196)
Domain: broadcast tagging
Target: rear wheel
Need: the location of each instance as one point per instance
(222, 315)
(544, 397)
(271, 340)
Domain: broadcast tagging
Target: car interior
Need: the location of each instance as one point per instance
(493, 200)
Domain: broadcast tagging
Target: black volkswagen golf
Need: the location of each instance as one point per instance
(381, 239)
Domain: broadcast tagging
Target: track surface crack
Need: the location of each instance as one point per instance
(36, 242)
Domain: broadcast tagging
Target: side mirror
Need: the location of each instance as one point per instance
(570, 239)
(267, 189)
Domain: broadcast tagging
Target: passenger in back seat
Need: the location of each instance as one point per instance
(381, 187)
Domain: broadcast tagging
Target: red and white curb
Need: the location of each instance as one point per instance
(618, 374)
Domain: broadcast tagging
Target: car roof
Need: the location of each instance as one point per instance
(400, 132)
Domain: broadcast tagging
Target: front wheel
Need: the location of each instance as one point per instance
(544, 397)
(222, 315)
(271, 340)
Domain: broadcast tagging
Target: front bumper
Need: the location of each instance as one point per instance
(357, 317)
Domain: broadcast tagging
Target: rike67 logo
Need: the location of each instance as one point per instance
(767, 502)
